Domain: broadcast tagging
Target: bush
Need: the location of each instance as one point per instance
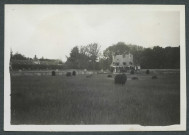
(134, 78)
(120, 79)
(74, 73)
(147, 71)
(68, 74)
(53, 73)
(111, 69)
(132, 71)
(109, 76)
(154, 77)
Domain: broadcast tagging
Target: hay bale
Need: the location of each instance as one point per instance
(134, 78)
(109, 76)
(89, 76)
(68, 74)
(53, 73)
(147, 71)
(132, 72)
(74, 73)
(120, 79)
(154, 77)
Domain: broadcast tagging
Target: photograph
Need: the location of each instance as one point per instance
(94, 67)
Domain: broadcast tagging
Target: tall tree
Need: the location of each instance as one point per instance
(93, 51)
(18, 56)
(73, 60)
(85, 57)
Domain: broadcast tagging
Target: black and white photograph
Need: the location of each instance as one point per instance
(94, 67)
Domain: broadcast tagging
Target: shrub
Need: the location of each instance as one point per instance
(132, 71)
(68, 74)
(53, 73)
(134, 78)
(154, 77)
(74, 73)
(147, 71)
(120, 79)
(109, 76)
(111, 69)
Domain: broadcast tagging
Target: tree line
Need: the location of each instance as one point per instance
(90, 57)
(19, 56)
(19, 61)
(85, 57)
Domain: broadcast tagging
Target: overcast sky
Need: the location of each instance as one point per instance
(52, 31)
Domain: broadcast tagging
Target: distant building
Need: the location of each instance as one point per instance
(122, 63)
(36, 60)
(51, 62)
(20, 62)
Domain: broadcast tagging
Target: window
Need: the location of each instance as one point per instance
(116, 63)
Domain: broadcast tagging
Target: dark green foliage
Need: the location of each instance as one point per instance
(147, 71)
(72, 61)
(74, 73)
(154, 77)
(120, 79)
(160, 58)
(53, 73)
(84, 58)
(18, 56)
(68, 74)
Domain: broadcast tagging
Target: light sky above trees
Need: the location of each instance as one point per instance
(52, 31)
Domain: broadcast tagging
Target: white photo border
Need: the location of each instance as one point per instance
(75, 128)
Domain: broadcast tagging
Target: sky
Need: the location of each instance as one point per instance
(52, 31)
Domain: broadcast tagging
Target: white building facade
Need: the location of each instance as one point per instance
(122, 63)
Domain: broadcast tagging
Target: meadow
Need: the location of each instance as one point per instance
(96, 100)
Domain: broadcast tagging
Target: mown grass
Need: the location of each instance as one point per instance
(95, 100)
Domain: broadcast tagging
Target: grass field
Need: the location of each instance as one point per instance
(96, 100)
